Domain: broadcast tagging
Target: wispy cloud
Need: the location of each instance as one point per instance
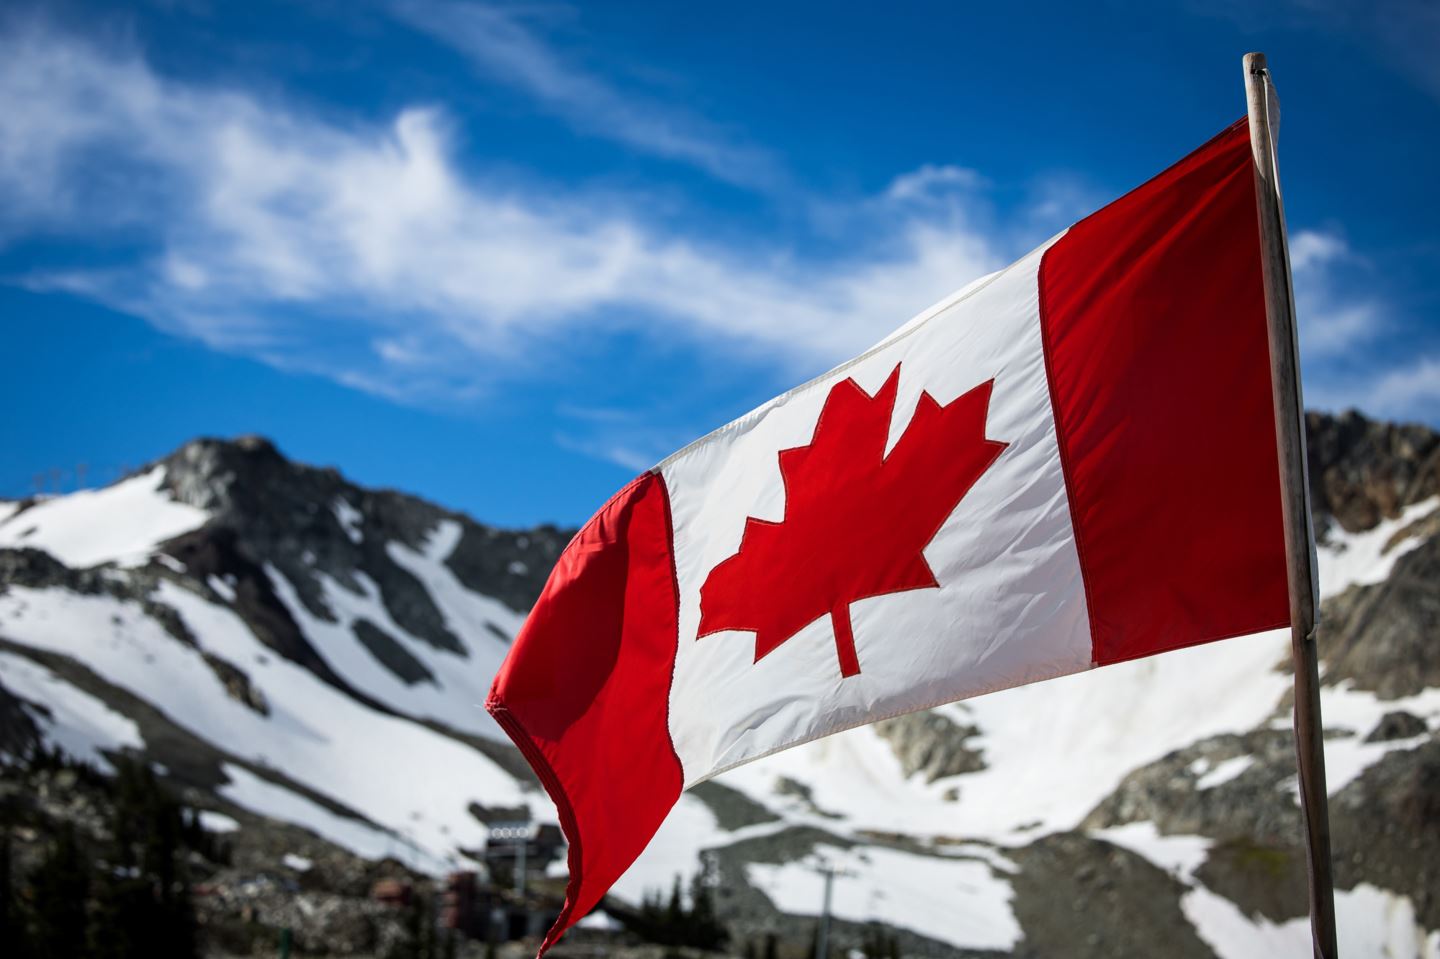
(507, 45)
(366, 253)
(1335, 316)
(1407, 392)
(625, 437)
(1358, 349)
(626, 450)
(931, 179)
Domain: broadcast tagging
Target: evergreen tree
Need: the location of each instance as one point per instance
(673, 926)
(118, 902)
(143, 908)
(704, 930)
(429, 941)
(14, 936)
(183, 937)
(772, 946)
(60, 887)
(650, 907)
(679, 922)
(873, 944)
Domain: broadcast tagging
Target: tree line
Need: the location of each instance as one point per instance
(126, 897)
(680, 920)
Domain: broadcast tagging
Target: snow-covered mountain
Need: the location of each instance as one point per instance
(295, 648)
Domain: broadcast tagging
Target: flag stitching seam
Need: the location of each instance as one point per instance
(1062, 445)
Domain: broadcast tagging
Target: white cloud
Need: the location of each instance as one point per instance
(503, 45)
(627, 438)
(1059, 199)
(1311, 249)
(931, 179)
(1351, 335)
(1334, 317)
(626, 455)
(363, 252)
(1410, 392)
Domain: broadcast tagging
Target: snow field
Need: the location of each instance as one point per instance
(82, 726)
(1370, 922)
(276, 802)
(1366, 558)
(456, 696)
(349, 519)
(1222, 773)
(395, 772)
(959, 901)
(1347, 708)
(218, 822)
(122, 523)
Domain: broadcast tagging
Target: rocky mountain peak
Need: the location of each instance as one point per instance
(1364, 470)
(232, 477)
(305, 519)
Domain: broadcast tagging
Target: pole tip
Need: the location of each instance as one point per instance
(1254, 62)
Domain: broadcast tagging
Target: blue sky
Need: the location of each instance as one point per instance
(507, 255)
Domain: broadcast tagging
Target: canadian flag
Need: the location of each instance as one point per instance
(1067, 464)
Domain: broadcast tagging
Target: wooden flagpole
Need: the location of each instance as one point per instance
(1295, 494)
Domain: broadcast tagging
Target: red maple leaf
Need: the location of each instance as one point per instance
(856, 520)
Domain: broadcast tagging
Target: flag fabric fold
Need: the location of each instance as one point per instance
(1069, 464)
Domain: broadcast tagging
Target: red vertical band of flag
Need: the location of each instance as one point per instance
(585, 690)
(1153, 315)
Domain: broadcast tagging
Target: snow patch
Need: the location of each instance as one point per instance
(297, 863)
(121, 523)
(395, 772)
(1369, 922)
(1178, 855)
(1365, 558)
(1358, 711)
(600, 922)
(224, 587)
(80, 725)
(276, 802)
(8, 508)
(958, 901)
(1225, 771)
(349, 517)
(217, 822)
(470, 615)
(1234, 935)
(459, 683)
